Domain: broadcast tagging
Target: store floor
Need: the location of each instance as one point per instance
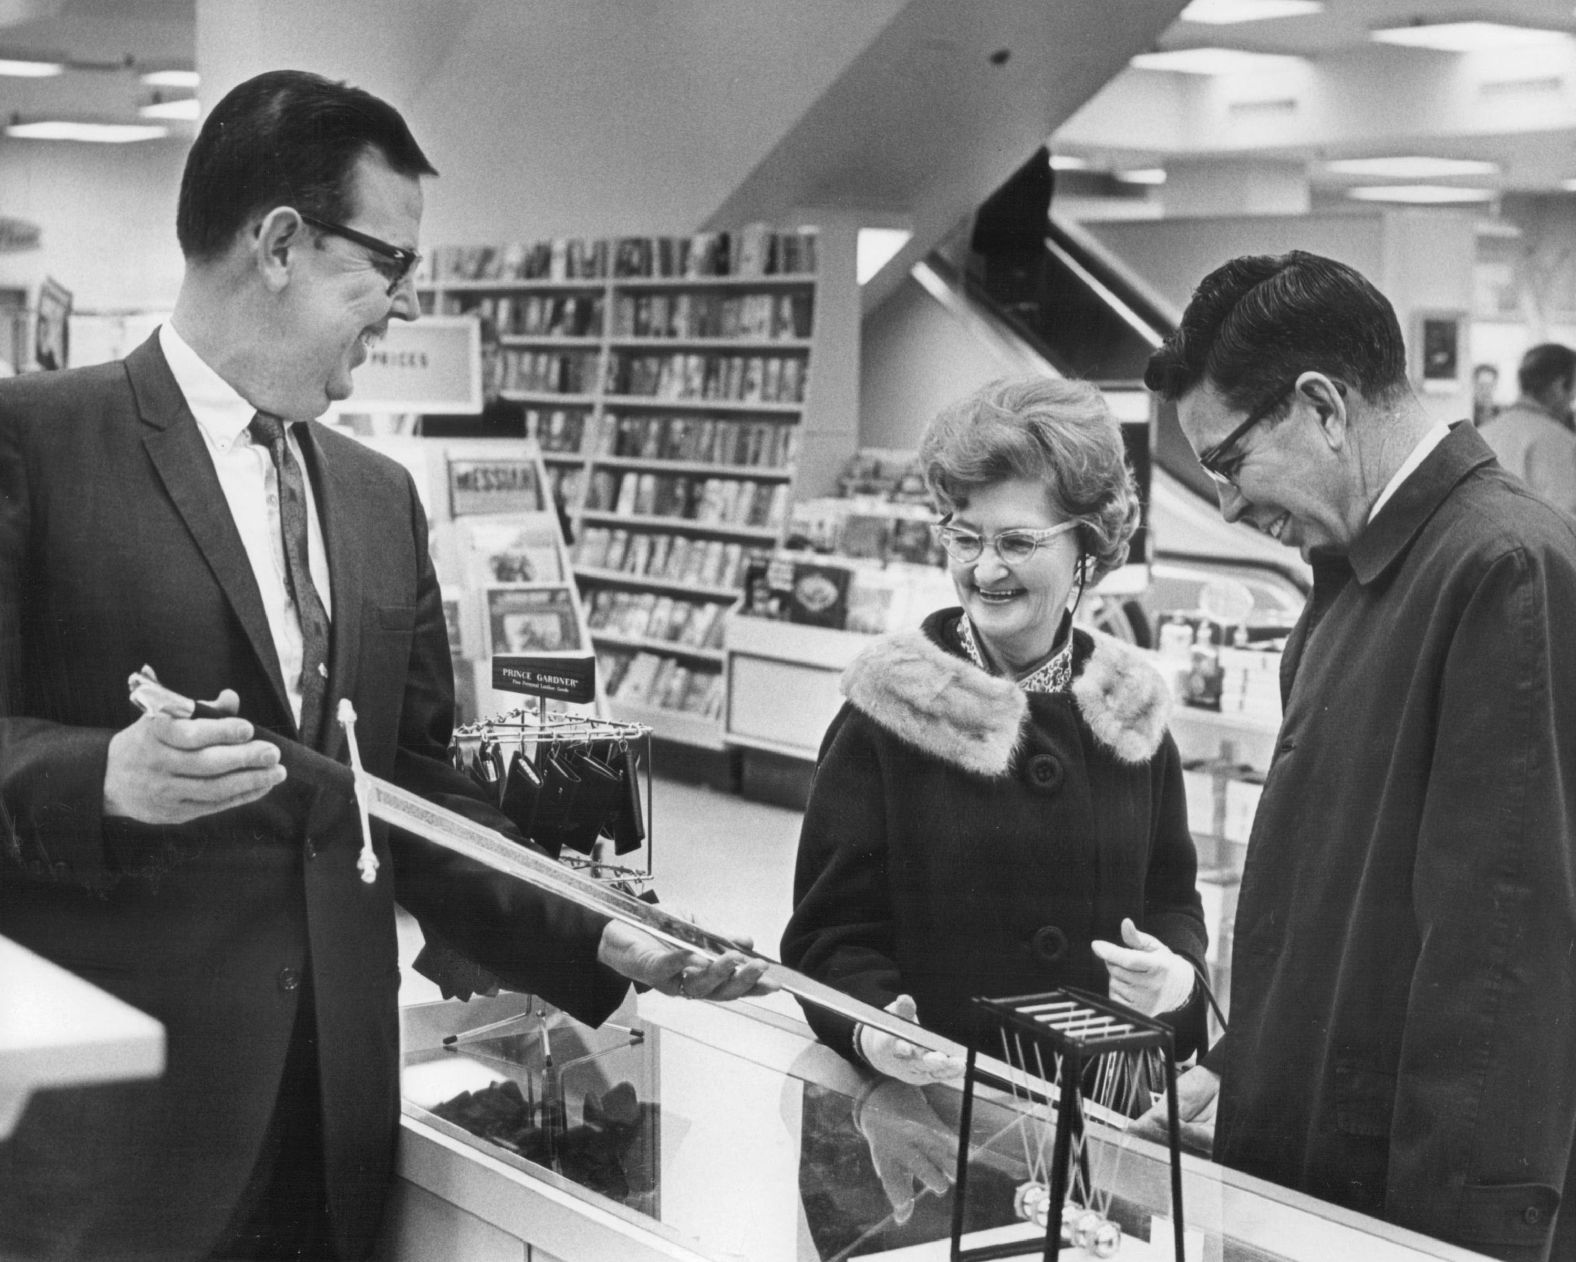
(724, 859)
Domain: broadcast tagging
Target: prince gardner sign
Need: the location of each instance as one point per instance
(558, 676)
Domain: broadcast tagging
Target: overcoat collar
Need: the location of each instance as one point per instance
(1390, 533)
(175, 445)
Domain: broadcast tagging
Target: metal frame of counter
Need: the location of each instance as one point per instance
(737, 1085)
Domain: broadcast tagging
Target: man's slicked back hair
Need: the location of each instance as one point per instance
(284, 138)
(1254, 324)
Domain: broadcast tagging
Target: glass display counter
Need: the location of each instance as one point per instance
(697, 1131)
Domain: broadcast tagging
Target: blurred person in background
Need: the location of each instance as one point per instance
(1533, 437)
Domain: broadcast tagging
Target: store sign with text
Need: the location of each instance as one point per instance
(558, 676)
(432, 365)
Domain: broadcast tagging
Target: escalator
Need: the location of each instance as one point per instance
(1072, 304)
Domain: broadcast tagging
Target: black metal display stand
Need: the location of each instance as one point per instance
(1060, 1044)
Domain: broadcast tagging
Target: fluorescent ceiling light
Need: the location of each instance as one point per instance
(97, 133)
(28, 69)
(1213, 61)
(183, 109)
(1067, 162)
(1468, 37)
(170, 78)
(1411, 168)
(874, 247)
(1141, 175)
(1420, 194)
(1229, 12)
(1569, 185)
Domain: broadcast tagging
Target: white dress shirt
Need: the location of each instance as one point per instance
(1425, 444)
(251, 488)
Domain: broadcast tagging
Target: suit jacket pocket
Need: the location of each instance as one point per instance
(391, 618)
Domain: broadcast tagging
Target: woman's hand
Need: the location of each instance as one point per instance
(1146, 974)
(900, 1059)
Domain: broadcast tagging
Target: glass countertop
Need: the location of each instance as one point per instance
(728, 1132)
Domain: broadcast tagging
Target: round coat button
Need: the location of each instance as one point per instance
(1045, 772)
(311, 848)
(1532, 1215)
(1049, 944)
(289, 978)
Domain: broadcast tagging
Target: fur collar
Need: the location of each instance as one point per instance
(949, 708)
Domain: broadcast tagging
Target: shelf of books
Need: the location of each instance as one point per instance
(668, 383)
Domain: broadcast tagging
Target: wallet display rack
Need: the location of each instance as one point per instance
(572, 783)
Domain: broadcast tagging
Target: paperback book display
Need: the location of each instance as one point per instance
(706, 501)
(754, 250)
(699, 439)
(672, 558)
(667, 383)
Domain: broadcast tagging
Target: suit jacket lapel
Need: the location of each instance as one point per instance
(339, 514)
(175, 445)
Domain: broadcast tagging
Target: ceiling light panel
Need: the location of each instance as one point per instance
(171, 79)
(1230, 12)
(1411, 168)
(1469, 37)
(1214, 61)
(23, 68)
(183, 110)
(92, 133)
(1421, 194)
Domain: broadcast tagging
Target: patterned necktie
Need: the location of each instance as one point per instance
(270, 432)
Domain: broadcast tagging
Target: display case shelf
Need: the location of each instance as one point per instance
(624, 402)
(670, 725)
(699, 468)
(667, 647)
(683, 525)
(622, 578)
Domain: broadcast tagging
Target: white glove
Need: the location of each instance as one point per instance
(908, 1144)
(900, 1059)
(1146, 974)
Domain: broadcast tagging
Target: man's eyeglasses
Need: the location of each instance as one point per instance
(1014, 547)
(399, 262)
(1220, 461)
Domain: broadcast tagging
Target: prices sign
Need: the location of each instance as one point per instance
(433, 365)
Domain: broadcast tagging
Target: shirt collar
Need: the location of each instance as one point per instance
(1387, 537)
(1418, 454)
(222, 414)
(1054, 675)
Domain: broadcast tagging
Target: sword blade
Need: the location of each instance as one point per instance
(413, 814)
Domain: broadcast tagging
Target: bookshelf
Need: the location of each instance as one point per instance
(684, 391)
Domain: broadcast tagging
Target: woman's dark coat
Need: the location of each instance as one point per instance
(967, 838)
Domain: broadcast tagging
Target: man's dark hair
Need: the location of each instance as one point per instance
(1256, 323)
(1545, 365)
(284, 138)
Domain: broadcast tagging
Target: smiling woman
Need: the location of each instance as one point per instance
(998, 808)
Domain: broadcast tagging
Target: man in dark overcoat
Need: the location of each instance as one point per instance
(1404, 967)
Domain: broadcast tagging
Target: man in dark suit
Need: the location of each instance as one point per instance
(179, 509)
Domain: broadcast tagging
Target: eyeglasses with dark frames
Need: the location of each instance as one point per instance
(401, 261)
(1014, 547)
(1220, 461)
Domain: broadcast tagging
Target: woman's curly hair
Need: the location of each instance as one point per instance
(1048, 429)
